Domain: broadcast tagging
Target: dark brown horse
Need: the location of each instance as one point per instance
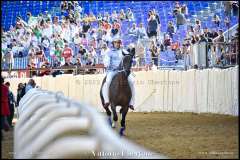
(119, 92)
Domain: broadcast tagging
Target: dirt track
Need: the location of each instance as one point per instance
(176, 135)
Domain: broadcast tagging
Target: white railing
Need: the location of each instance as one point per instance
(48, 120)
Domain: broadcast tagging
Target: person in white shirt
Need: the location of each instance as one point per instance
(77, 42)
(104, 51)
(141, 32)
(129, 15)
(56, 26)
(114, 16)
(132, 32)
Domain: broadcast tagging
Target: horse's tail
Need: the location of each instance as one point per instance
(101, 95)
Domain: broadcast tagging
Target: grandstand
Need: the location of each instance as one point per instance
(181, 79)
(201, 10)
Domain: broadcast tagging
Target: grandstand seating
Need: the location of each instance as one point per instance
(203, 10)
(11, 9)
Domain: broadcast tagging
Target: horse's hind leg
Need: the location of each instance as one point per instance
(123, 125)
(115, 117)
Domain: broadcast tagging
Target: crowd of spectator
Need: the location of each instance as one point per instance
(82, 39)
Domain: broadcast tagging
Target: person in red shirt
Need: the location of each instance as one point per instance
(4, 106)
(67, 54)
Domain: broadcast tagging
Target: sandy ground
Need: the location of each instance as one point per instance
(175, 135)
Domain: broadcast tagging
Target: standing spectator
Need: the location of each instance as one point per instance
(184, 10)
(235, 8)
(154, 53)
(197, 28)
(67, 54)
(104, 51)
(219, 47)
(30, 85)
(216, 20)
(227, 22)
(5, 112)
(180, 19)
(32, 21)
(11, 103)
(152, 27)
(227, 8)
(20, 92)
(9, 59)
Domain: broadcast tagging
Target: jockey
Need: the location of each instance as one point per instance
(112, 60)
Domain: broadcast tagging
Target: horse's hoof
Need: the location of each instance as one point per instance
(121, 132)
(113, 125)
(110, 121)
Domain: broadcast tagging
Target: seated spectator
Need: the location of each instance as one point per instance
(170, 29)
(104, 51)
(92, 56)
(85, 27)
(57, 53)
(129, 15)
(67, 54)
(177, 5)
(92, 17)
(114, 16)
(132, 32)
(122, 15)
(106, 17)
(77, 42)
(141, 32)
(82, 50)
(99, 17)
(78, 62)
(46, 66)
(167, 41)
(115, 28)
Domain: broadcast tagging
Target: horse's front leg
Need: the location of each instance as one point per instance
(123, 125)
(115, 117)
(109, 115)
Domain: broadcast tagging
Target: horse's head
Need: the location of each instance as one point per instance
(127, 63)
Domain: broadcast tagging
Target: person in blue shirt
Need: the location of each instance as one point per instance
(31, 84)
(112, 60)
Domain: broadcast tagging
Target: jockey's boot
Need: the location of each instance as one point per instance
(106, 105)
(131, 107)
